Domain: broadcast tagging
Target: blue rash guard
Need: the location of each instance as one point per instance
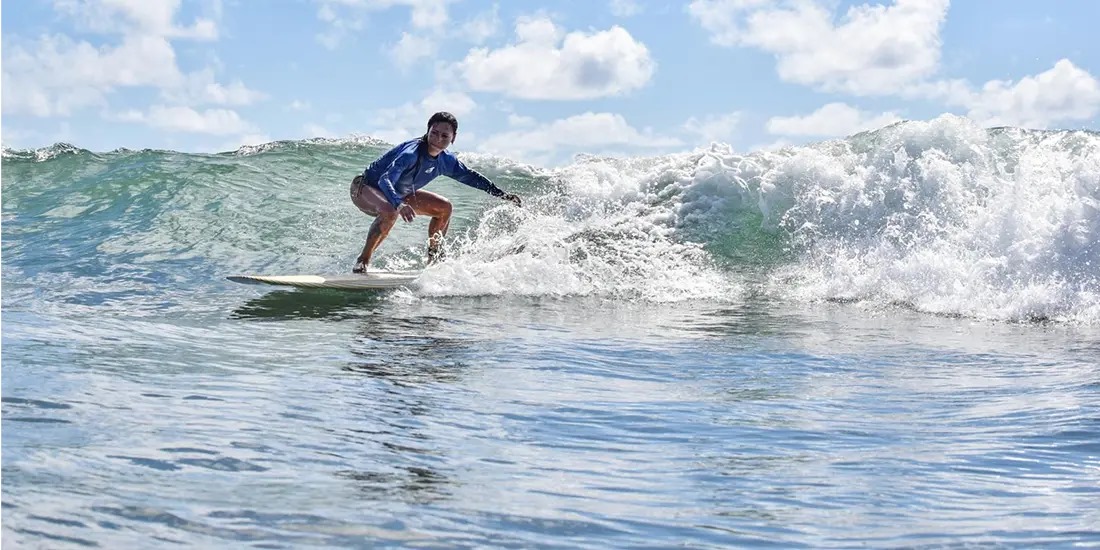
(408, 167)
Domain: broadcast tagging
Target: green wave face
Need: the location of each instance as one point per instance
(940, 216)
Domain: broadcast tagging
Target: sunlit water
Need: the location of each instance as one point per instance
(817, 348)
(286, 419)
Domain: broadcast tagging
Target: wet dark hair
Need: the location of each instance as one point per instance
(443, 116)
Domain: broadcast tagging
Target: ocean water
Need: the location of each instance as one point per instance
(890, 340)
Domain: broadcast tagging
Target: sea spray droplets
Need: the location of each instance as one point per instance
(945, 218)
(574, 246)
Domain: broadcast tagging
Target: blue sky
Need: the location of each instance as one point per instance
(536, 82)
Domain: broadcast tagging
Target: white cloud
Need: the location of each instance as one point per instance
(345, 17)
(412, 48)
(200, 87)
(831, 120)
(482, 27)
(589, 132)
(584, 66)
(156, 18)
(426, 14)
(1063, 93)
(714, 127)
(624, 8)
(58, 76)
(340, 25)
(539, 31)
(186, 119)
(873, 50)
(885, 50)
(723, 18)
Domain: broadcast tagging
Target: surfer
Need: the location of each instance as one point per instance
(392, 187)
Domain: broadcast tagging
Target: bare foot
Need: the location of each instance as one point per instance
(435, 254)
(360, 267)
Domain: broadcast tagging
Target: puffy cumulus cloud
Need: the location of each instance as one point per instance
(546, 63)
(885, 50)
(56, 75)
(589, 132)
(723, 18)
(874, 49)
(831, 120)
(1064, 93)
(413, 47)
(186, 119)
(1061, 94)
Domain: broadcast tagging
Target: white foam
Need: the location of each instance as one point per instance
(42, 154)
(946, 217)
(942, 216)
(352, 140)
(600, 232)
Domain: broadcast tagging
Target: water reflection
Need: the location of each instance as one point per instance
(412, 484)
(750, 318)
(414, 363)
(410, 350)
(310, 304)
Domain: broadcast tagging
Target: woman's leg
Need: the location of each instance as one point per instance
(434, 205)
(371, 202)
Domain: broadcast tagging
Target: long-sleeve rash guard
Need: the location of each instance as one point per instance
(408, 167)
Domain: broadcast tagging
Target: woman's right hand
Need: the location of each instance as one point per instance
(407, 213)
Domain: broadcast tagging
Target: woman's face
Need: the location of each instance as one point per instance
(440, 135)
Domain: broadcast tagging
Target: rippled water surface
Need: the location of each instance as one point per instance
(287, 419)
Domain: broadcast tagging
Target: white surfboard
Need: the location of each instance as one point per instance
(354, 281)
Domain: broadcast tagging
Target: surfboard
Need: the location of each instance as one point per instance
(355, 281)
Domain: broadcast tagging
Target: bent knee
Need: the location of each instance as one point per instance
(388, 216)
(441, 208)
